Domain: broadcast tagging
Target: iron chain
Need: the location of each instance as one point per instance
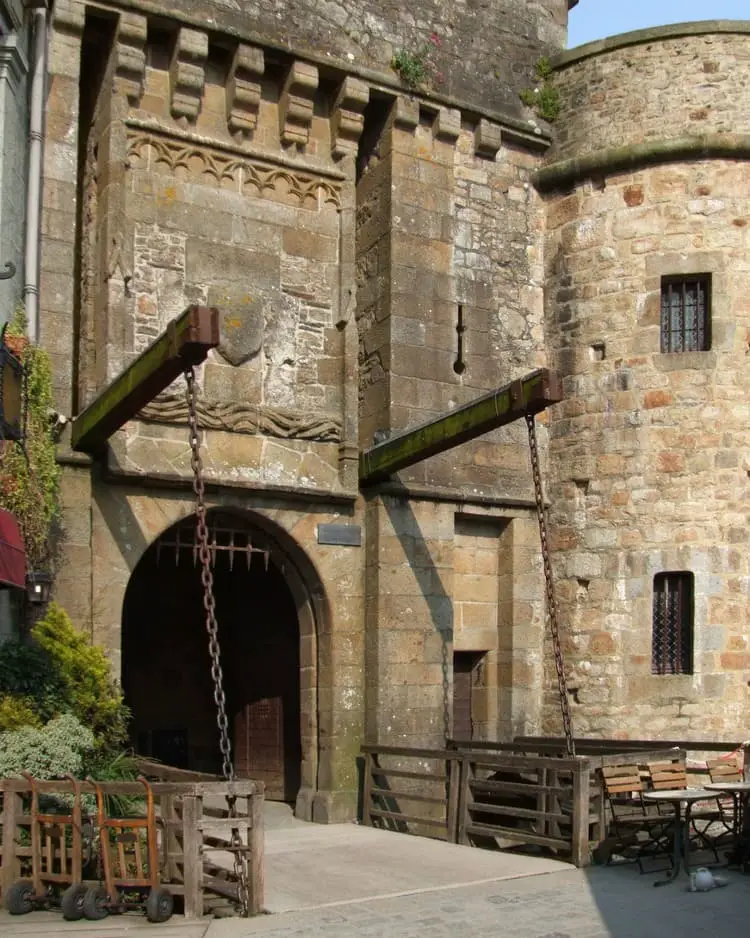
(562, 684)
(212, 628)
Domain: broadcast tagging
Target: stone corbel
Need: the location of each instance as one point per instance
(405, 114)
(69, 16)
(187, 74)
(448, 124)
(130, 67)
(488, 139)
(243, 90)
(348, 120)
(297, 103)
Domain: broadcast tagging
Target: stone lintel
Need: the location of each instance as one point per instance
(348, 118)
(187, 74)
(130, 68)
(297, 104)
(243, 90)
(69, 16)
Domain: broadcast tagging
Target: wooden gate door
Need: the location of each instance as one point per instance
(259, 744)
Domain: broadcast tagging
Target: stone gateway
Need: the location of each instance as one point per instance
(384, 248)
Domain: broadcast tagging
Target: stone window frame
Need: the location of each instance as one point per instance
(673, 642)
(685, 283)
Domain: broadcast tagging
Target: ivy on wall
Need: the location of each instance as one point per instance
(30, 476)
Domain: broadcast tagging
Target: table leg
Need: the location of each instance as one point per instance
(678, 848)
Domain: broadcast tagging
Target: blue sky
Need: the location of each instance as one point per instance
(595, 19)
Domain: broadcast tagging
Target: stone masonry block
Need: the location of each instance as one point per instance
(448, 124)
(187, 74)
(405, 113)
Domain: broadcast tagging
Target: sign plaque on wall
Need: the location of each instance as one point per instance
(340, 535)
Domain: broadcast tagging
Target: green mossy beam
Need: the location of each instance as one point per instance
(528, 395)
(185, 342)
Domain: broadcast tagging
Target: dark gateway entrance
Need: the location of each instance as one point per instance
(165, 663)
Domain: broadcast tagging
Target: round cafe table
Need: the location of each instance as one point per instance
(677, 798)
(740, 792)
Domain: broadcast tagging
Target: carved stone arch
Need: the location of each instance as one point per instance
(274, 529)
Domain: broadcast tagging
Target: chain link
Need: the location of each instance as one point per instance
(212, 628)
(562, 684)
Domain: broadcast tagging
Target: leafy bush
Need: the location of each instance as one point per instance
(88, 688)
(545, 98)
(60, 672)
(54, 750)
(16, 712)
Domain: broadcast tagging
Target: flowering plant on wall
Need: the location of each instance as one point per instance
(544, 98)
(416, 69)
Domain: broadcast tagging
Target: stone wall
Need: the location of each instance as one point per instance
(486, 54)
(647, 451)
(651, 85)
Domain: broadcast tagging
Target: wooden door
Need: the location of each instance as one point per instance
(259, 744)
(463, 666)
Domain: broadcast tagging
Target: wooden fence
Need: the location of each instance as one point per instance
(525, 792)
(193, 823)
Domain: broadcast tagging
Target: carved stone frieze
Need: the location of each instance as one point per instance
(243, 90)
(130, 52)
(187, 74)
(297, 104)
(348, 120)
(247, 175)
(245, 418)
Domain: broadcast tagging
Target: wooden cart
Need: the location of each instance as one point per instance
(129, 864)
(56, 860)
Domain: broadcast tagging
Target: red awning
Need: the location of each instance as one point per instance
(12, 553)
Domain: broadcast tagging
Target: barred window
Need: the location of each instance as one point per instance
(672, 639)
(686, 314)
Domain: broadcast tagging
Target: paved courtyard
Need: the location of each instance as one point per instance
(344, 880)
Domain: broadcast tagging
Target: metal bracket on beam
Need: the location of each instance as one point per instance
(528, 395)
(186, 341)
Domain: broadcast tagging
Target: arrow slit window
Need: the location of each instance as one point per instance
(686, 313)
(673, 618)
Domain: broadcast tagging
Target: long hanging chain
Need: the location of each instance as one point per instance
(212, 627)
(562, 684)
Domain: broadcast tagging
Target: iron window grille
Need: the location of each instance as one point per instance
(686, 314)
(672, 639)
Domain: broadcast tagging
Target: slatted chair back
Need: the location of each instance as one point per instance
(667, 776)
(621, 780)
(724, 770)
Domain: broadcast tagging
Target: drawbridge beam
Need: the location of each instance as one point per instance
(186, 341)
(528, 395)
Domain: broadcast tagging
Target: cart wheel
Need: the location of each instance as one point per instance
(95, 903)
(71, 902)
(20, 897)
(159, 905)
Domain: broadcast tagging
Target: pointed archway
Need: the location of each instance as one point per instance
(264, 643)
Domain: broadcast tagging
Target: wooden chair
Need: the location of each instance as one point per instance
(672, 776)
(638, 832)
(730, 805)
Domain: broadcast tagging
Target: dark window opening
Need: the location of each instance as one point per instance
(466, 677)
(672, 640)
(686, 314)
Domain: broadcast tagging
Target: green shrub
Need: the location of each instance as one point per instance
(27, 672)
(16, 712)
(88, 689)
(52, 751)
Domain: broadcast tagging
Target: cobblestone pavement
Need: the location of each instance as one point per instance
(597, 903)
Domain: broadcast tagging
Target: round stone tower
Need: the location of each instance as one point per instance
(648, 318)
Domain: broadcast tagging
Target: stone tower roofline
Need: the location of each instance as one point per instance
(640, 36)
